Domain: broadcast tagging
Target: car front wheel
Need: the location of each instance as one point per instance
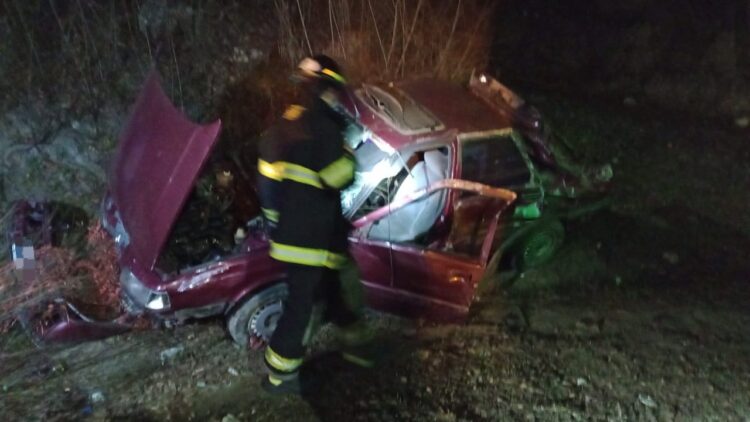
(539, 245)
(253, 322)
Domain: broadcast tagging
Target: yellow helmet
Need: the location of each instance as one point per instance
(320, 66)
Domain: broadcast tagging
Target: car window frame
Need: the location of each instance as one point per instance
(400, 157)
(362, 225)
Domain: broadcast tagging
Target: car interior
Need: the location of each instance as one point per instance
(409, 223)
(426, 222)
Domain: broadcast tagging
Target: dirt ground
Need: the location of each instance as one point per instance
(643, 316)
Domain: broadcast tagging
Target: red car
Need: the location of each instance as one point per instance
(450, 179)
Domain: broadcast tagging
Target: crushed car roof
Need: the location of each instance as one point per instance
(413, 111)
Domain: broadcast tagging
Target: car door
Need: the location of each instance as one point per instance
(435, 274)
(374, 261)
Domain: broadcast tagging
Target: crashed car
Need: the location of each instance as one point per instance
(451, 181)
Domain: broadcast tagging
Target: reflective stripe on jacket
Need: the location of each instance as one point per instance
(339, 173)
(336, 175)
(307, 256)
(280, 363)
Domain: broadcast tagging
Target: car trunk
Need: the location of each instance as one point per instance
(160, 154)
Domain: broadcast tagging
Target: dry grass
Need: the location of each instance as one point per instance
(389, 40)
(89, 279)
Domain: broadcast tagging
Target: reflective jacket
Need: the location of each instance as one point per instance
(269, 177)
(304, 166)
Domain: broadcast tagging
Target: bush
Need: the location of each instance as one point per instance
(389, 40)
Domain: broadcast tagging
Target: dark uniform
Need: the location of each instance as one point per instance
(303, 166)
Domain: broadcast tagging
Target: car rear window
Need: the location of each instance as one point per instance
(495, 161)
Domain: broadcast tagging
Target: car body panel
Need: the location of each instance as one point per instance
(215, 285)
(373, 260)
(437, 281)
(77, 330)
(369, 117)
(456, 107)
(159, 156)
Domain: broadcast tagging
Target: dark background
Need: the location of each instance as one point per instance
(690, 55)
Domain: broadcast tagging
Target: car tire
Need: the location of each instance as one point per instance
(539, 245)
(255, 319)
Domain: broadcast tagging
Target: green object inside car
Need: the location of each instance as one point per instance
(528, 211)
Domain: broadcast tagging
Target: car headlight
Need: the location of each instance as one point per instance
(141, 295)
(158, 301)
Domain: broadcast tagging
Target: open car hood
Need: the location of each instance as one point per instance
(159, 156)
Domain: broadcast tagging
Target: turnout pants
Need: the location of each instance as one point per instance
(316, 295)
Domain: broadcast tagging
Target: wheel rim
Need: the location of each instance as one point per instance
(263, 321)
(540, 248)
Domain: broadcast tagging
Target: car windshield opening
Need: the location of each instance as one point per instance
(494, 160)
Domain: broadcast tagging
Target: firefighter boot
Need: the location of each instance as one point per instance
(357, 344)
(285, 375)
(282, 384)
(301, 383)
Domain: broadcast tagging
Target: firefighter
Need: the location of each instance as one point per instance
(304, 165)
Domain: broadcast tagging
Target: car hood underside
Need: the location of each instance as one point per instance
(160, 154)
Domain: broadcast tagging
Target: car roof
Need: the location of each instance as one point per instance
(456, 109)
(455, 106)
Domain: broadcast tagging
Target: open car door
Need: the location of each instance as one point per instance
(434, 273)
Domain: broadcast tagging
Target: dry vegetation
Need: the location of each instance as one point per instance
(86, 278)
(389, 40)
